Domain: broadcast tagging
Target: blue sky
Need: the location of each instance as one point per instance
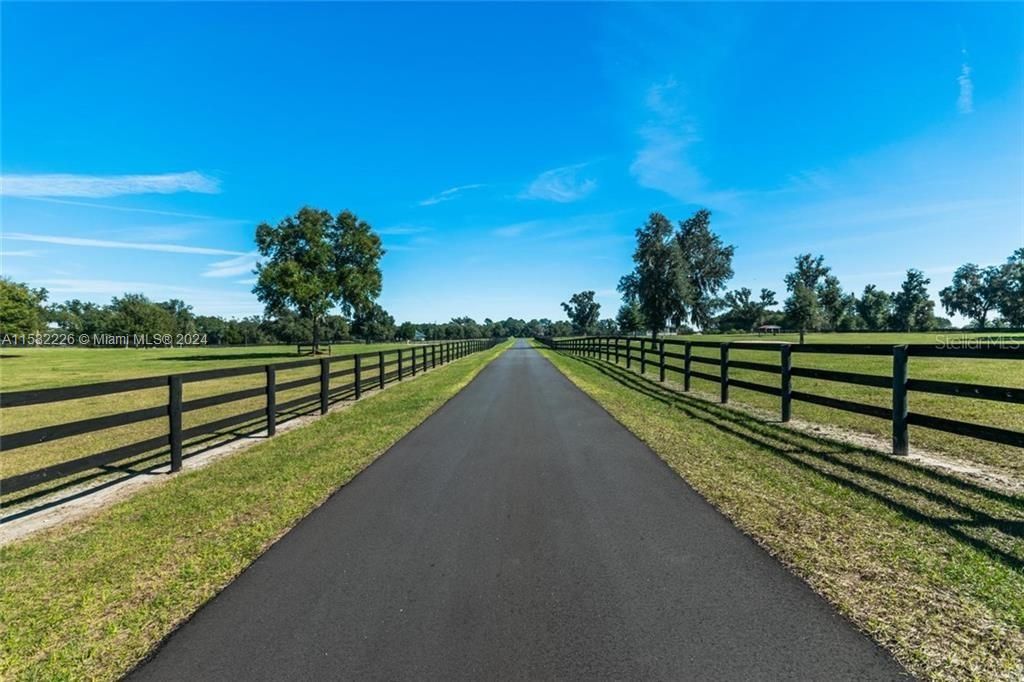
(506, 153)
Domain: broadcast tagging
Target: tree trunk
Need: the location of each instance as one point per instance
(801, 336)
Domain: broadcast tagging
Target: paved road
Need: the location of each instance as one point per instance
(519, 533)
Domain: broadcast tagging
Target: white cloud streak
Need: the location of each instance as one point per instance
(662, 163)
(108, 244)
(448, 194)
(563, 185)
(965, 101)
(243, 265)
(99, 186)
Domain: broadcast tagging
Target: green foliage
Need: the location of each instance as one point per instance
(373, 323)
(315, 262)
(875, 308)
(974, 293)
(708, 267)
(803, 309)
(744, 312)
(658, 283)
(21, 308)
(833, 302)
(630, 318)
(913, 309)
(583, 312)
(1010, 286)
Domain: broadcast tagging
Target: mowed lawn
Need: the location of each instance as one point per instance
(1008, 373)
(31, 368)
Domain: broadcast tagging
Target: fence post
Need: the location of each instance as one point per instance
(414, 360)
(643, 356)
(900, 407)
(399, 364)
(325, 384)
(357, 377)
(725, 372)
(616, 350)
(787, 381)
(661, 361)
(688, 354)
(433, 355)
(629, 354)
(174, 414)
(380, 368)
(271, 400)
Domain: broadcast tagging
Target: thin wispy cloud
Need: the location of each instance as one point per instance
(109, 244)
(515, 229)
(448, 194)
(20, 254)
(663, 161)
(99, 186)
(130, 209)
(965, 101)
(563, 185)
(233, 267)
(400, 230)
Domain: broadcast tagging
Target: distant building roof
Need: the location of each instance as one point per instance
(769, 326)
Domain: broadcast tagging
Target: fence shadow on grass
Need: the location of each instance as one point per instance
(64, 490)
(986, 519)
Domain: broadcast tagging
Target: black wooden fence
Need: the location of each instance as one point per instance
(390, 365)
(653, 352)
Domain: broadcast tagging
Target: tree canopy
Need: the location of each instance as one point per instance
(583, 311)
(315, 262)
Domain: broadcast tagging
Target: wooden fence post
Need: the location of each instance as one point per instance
(661, 361)
(325, 384)
(399, 364)
(617, 350)
(358, 376)
(643, 356)
(688, 354)
(787, 381)
(414, 360)
(433, 355)
(174, 414)
(725, 372)
(271, 400)
(629, 354)
(380, 369)
(900, 406)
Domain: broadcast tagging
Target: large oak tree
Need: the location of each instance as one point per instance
(314, 262)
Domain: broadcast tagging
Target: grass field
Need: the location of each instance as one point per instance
(90, 599)
(1007, 373)
(930, 566)
(52, 367)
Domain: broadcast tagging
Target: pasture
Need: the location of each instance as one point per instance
(32, 368)
(985, 372)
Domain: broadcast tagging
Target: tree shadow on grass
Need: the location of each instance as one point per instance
(986, 519)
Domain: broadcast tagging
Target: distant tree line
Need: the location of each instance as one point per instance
(24, 310)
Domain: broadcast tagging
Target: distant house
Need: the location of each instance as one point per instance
(771, 329)
(419, 336)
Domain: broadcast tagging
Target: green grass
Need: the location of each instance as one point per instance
(930, 566)
(1007, 373)
(52, 367)
(91, 599)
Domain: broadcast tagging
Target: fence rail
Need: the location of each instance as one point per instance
(389, 365)
(632, 349)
